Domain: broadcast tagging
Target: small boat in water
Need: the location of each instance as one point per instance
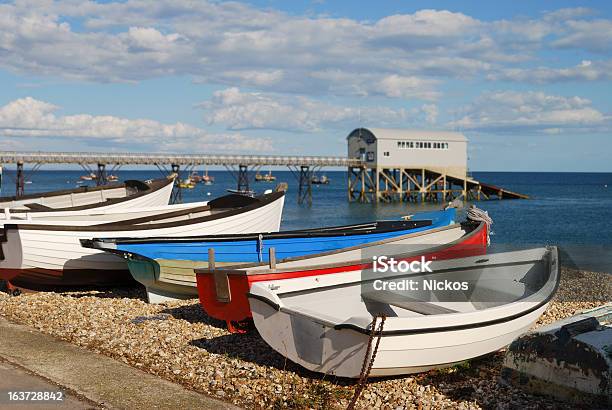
(207, 179)
(187, 184)
(43, 253)
(88, 177)
(323, 180)
(165, 266)
(245, 192)
(265, 178)
(325, 323)
(195, 177)
(130, 194)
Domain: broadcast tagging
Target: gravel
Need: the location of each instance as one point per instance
(178, 342)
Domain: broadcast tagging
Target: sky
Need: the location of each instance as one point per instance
(529, 83)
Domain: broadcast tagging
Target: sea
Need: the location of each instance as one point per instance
(565, 209)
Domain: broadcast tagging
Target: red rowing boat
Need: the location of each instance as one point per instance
(223, 292)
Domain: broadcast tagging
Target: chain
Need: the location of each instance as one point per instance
(366, 367)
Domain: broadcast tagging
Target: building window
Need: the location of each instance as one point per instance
(399, 144)
(370, 156)
(386, 153)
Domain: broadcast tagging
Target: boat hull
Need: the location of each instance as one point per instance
(341, 353)
(53, 249)
(166, 268)
(40, 279)
(324, 323)
(238, 310)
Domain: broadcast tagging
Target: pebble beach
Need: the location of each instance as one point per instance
(178, 342)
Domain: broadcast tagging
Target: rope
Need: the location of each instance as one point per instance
(366, 367)
(479, 215)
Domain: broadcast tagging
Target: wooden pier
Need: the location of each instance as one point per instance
(380, 184)
(365, 184)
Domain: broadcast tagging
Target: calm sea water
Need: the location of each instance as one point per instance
(565, 209)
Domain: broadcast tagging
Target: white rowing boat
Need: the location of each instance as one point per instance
(36, 253)
(324, 322)
(81, 201)
(95, 215)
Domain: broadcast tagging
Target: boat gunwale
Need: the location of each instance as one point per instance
(345, 230)
(400, 332)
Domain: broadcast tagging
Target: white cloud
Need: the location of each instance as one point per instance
(29, 118)
(591, 35)
(301, 66)
(511, 111)
(431, 113)
(586, 70)
(239, 110)
(236, 44)
(407, 87)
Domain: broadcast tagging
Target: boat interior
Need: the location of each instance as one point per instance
(489, 285)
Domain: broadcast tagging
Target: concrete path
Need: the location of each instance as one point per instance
(33, 361)
(15, 379)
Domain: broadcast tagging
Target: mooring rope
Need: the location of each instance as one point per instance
(479, 215)
(366, 366)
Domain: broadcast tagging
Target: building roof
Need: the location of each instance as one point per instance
(408, 134)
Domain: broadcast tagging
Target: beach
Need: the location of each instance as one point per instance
(176, 341)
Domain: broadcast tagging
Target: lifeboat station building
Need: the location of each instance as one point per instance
(409, 165)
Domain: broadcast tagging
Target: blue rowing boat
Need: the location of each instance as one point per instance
(165, 265)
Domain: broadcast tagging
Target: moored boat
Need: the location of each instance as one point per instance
(187, 184)
(245, 192)
(207, 179)
(324, 323)
(214, 285)
(130, 194)
(37, 253)
(165, 266)
(265, 177)
(323, 180)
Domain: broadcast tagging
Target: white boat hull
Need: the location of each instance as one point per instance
(323, 322)
(52, 256)
(341, 352)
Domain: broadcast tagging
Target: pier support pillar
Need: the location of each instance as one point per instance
(101, 175)
(243, 178)
(20, 180)
(305, 188)
(177, 192)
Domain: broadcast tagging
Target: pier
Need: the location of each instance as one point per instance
(365, 183)
(383, 184)
(302, 167)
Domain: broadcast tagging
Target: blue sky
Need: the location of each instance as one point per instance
(528, 82)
